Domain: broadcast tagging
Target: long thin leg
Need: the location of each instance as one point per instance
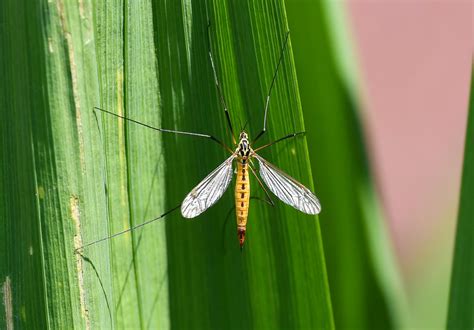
(218, 86)
(279, 140)
(169, 130)
(127, 230)
(267, 102)
(269, 201)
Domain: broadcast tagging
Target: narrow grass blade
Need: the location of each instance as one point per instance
(365, 286)
(461, 300)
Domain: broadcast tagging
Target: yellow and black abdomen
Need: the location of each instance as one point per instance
(242, 198)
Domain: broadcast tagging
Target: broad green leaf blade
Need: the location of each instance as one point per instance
(84, 176)
(461, 300)
(365, 286)
(21, 270)
(133, 165)
(279, 279)
(52, 191)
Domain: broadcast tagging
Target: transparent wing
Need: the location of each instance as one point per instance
(208, 191)
(288, 189)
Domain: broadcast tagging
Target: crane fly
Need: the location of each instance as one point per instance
(213, 186)
(209, 190)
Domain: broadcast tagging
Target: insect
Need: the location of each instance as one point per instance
(209, 190)
(213, 186)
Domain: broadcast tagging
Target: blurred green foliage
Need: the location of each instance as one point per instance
(461, 302)
(365, 286)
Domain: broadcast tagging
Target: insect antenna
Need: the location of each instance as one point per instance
(207, 136)
(126, 230)
(246, 123)
(218, 85)
(267, 102)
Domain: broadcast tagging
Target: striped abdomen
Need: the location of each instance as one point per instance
(242, 197)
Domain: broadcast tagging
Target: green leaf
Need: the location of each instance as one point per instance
(50, 192)
(461, 300)
(70, 176)
(365, 286)
(279, 279)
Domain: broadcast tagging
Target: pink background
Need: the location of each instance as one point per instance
(414, 60)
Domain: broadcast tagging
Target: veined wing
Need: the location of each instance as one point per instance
(208, 191)
(288, 189)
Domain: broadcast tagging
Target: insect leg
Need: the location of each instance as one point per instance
(218, 86)
(269, 202)
(267, 102)
(127, 230)
(279, 140)
(269, 199)
(207, 136)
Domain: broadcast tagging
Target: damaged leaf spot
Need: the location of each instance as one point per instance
(8, 303)
(76, 218)
(40, 192)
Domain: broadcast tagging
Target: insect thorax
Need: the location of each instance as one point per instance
(243, 149)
